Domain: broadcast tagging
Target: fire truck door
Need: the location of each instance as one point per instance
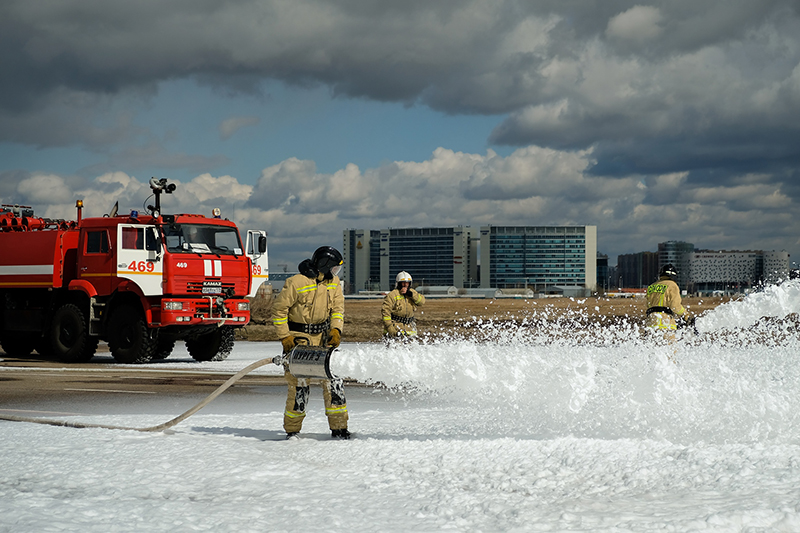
(256, 250)
(95, 259)
(139, 257)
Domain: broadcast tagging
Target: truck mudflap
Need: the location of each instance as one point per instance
(207, 310)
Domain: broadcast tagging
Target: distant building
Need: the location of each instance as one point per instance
(776, 267)
(735, 271)
(433, 256)
(362, 260)
(563, 258)
(676, 253)
(602, 272)
(539, 257)
(637, 270)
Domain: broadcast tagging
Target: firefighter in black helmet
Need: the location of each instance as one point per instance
(664, 301)
(310, 310)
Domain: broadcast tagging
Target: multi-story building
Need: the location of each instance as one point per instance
(362, 260)
(602, 272)
(637, 270)
(677, 254)
(710, 270)
(777, 266)
(433, 256)
(538, 257)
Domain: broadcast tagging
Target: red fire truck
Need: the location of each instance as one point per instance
(140, 282)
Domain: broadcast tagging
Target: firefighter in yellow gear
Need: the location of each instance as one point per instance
(664, 301)
(310, 310)
(399, 306)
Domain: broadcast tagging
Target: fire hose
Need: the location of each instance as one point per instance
(303, 362)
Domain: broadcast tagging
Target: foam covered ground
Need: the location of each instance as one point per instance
(554, 428)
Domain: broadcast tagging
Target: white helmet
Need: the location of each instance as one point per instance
(403, 276)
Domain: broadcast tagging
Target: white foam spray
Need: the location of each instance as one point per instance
(775, 301)
(570, 378)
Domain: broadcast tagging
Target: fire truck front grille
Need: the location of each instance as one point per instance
(214, 287)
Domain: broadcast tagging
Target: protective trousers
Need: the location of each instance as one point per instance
(299, 390)
(297, 399)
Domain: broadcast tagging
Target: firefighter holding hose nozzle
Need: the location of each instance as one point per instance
(310, 310)
(664, 302)
(398, 308)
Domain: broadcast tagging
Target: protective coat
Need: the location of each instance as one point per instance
(664, 294)
(305, 300)
(400, 306)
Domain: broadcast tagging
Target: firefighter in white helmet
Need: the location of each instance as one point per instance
(398, 308)
(310, 310)
(664, 302)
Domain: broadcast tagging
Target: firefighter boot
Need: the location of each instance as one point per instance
(340, 434)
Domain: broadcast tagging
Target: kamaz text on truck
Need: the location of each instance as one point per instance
(140, 282)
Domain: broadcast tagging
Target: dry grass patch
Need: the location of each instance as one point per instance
(363, 321)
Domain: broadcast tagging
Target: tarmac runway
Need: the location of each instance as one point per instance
(36, 385)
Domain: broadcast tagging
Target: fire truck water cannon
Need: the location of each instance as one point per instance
(159, 186)
(138, 282)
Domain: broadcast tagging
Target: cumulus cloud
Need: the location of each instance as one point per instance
(43, 189)
(639, 23)
(302, 208)
(631, 114)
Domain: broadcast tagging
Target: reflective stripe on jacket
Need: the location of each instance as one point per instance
(398, 305)
(664, 293)
(306, 301)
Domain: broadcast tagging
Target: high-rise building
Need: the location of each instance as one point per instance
(677, 254)
(433, 256)
(362, 260)
(539, 257)
(602, 272)
(637, 270)
(510, 257)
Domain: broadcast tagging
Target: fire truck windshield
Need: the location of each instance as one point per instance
(202, 239)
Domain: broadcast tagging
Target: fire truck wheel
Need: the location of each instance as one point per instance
(17, 344)
(69, 335)
(129, 338)
(214, 346)
(164, 348)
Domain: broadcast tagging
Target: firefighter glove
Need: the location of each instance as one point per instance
(335, 338)
(392, 329)
(410, 294)
(288, 343)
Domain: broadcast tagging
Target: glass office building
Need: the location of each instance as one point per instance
(677, 254)
(433, 256)
(502, 257)
(362, 260)
(538, 257)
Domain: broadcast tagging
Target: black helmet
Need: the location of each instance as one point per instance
(327, 260)
(668, 270)
(306, 268)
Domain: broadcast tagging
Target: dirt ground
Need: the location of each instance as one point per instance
(363, 321)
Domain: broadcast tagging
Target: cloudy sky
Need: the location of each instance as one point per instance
(653, 121)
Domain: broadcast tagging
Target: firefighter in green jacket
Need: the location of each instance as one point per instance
(398, 308)
(310, 310)
(664, 301)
